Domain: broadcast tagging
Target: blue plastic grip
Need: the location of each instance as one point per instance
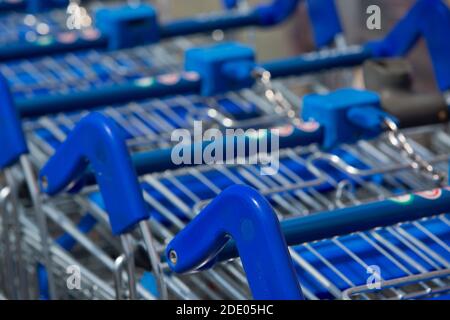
(325, 21)
(242, 214)
(230, 4)
(277, 11)
(12, 139)
(429, 19)
(97, 140)
(323, 15)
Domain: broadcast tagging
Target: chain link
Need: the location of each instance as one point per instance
(275, 96)
(399, 141)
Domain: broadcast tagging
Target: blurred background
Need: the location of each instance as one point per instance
(291, 38)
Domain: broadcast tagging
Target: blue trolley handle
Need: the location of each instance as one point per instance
(323, 15)
(97, 142)
(230, 4)
(244, 215)
(429, 19)
(14, 146)
(11, 134)
(256, 234)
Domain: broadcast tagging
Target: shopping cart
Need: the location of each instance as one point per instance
(129, 127)
(128, 26)
(325, 268)
(46, 132)
(240, 72)
(51, 80)
(88, 70)
(174, 213)
(204, 183)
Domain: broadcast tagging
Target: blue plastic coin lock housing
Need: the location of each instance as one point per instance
(346, 115)
(128, 26)
(224, 67)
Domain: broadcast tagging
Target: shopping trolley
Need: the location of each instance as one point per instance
(218, 116)
(46, 89)
(239, 72)
(82, 73)
(52, 132)
(129, 26)
(318, 263)
(209, 182)
(210, 187)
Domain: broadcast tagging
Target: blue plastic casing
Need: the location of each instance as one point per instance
(223, 67)
(97, 140)
(12, 139)
(43, 5)
(345, 115)
(325, 21)
(322, 14)
(244, 215)
(230, 4)
(128, 26)
(276, 11)
(429, 19)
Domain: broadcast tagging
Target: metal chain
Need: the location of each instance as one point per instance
(399, 141)
(275, 96)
